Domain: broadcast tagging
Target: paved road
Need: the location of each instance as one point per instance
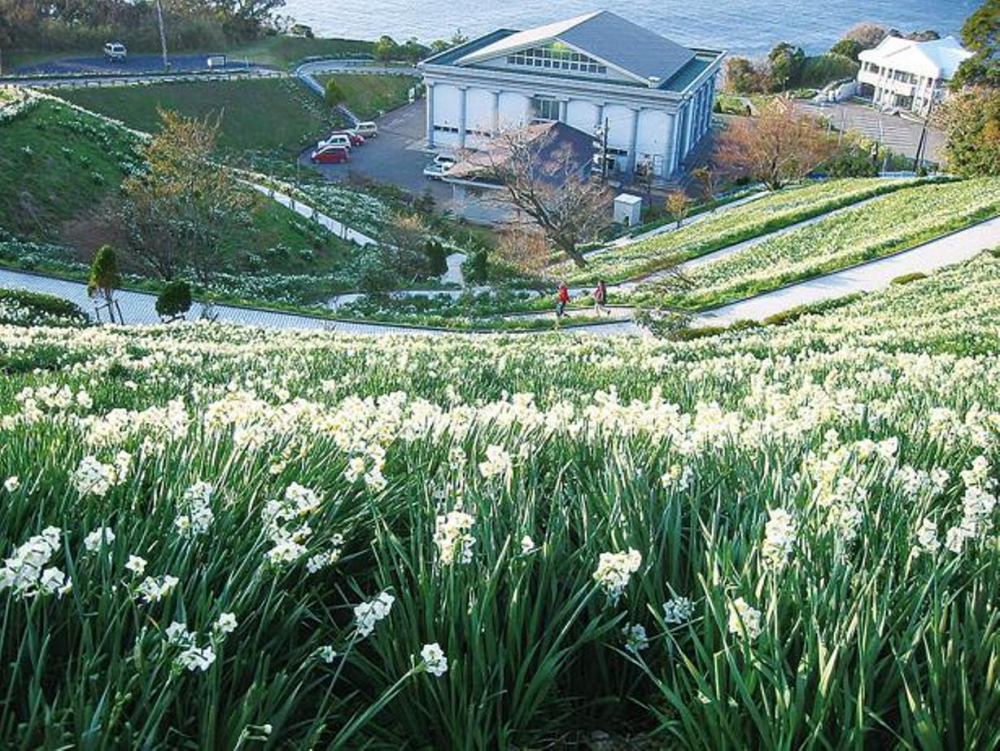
(139, 308)
(308, 71)
(133, 65)
(954, 248)
(899, 134)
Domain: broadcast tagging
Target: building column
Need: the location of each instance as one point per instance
(688, 127)
(633, 141)
(462, 109)
(676, 121)
(711, 104)
(430, 116)
(563, 109)
(495, 125)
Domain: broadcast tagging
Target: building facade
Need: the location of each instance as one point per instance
(904, 74)
(594, 72)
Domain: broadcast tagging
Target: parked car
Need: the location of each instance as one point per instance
(331, 154)
(366, 129)
(115, 52)
(356, 140)
(335, 140)
(439, 167)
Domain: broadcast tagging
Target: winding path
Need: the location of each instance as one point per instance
(945, 251)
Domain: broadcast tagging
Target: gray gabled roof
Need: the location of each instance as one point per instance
(641, 53)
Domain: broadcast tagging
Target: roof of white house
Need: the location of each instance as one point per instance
(937, 58)
(611, 39)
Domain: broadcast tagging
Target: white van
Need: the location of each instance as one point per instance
(336, 139)
(115, 52)
(368, 130)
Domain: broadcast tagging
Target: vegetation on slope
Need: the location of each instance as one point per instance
(333, 541)
(57, 163)
(268, 116)
(369, 96)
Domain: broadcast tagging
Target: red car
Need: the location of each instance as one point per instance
(354, 138)
(330, 155)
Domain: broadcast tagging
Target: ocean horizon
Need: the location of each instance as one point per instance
(749, 27)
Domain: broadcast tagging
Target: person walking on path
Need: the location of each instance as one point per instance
(562, 300)
(601, 299)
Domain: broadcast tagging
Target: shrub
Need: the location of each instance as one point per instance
(437, 256)
(333, 94)
(477, 268)
(174, 300)
(907, 278)
(817, 72)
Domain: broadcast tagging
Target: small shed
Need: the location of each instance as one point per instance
(628, 209)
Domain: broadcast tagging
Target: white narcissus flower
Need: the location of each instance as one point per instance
(744, 620)
(136, 565)
(614, 571)
(434, 659)
(11, 484)
(93, 541)
(677, 610)
(226, 623)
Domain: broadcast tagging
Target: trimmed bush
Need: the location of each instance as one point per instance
(174, 300)
(907, 278)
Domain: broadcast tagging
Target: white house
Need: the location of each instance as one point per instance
(654, 96)
(910, 75)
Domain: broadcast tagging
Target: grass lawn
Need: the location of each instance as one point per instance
(56, 164)
(273, 116)
(58, 168)
(368, 96)
(287, 52)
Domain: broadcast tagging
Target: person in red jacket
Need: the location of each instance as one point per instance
(562, 300)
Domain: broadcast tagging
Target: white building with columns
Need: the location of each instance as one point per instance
(654, 96)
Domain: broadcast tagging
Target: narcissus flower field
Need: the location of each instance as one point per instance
(218, 537)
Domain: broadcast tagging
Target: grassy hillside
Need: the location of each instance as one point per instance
(57, 164)
(286, 52)
(277, 117)
(368, 96)
(759, 540)
(60, 169)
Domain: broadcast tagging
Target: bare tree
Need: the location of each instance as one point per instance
(549, 183)
(778, 146)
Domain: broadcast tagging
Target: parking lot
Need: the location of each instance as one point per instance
(898, 133)
(132, 65)
(396, 156)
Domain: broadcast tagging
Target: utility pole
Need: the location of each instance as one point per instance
(922, 142)
(163, 34)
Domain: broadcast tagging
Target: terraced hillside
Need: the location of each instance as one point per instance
(777, 538)
(728, 227)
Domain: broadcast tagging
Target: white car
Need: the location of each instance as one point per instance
(439, 167)
(336, 140)
(115, 52)
(367, 129)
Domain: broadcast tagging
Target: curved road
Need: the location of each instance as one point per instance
(137, 307)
